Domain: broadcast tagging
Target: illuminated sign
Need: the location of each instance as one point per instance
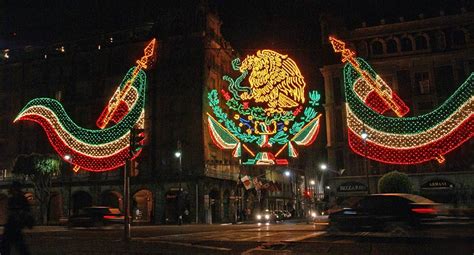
(100, 149)
(407, 140)
(352, 187)
(269, 115)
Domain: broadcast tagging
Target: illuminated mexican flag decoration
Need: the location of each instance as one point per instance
(264, 112)
(101, 149)
(401, 140)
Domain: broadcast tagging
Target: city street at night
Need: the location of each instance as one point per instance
(237, 127)
(283, 238)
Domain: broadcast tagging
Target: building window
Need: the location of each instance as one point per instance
(439, 41)
(362, 49)
(421, 43)
(392, 46)
(377, 48)
(406, 44)
(3, 174)
(422, 81)
(444, 80)
(404, 83)
(459, 38)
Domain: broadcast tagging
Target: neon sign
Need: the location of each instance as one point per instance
(408, 140)
(102, 149)
(267, 116)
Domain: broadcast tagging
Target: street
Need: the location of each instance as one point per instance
(283, 238)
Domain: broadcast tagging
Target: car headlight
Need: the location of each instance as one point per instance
(267, 216)
(259, 217)
(313, 214)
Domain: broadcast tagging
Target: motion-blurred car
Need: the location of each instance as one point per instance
(386, 212)
(266, 216)
(96, 216)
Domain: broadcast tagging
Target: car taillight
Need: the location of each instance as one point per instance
(111, 217)
(424, 210)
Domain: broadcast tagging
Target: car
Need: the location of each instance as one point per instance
(279, 215)
(386, 212)
(286, 214)
(265, 216)
(96, 216)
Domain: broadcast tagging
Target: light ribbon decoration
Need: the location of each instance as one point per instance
(409, 140)
(268, 114)
(102, 149)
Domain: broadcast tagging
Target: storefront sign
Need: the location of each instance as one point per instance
(352, 187)
(438, 184)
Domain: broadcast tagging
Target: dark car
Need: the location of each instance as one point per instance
(96, 216)
(387, 212)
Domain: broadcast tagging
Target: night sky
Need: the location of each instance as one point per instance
(246, 23)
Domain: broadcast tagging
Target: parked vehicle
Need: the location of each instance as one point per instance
(387, 212)
(279, 215)
(286, 214)
(96, 216)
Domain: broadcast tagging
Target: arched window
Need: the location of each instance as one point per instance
(377, 48)
(406, 44)
(362, 49)
(421, 43)
(439, 41)
(459, 38)
(392, 46)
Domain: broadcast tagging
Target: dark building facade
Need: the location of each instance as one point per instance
(424, 60)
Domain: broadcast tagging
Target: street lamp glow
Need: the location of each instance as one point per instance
(323, 167)
(312, 182)
(287, 173)
(177, 154)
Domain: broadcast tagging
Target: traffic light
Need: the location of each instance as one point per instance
(137, 135)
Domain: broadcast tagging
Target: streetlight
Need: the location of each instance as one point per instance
(288, 174)
(178, 155)
(364, 136)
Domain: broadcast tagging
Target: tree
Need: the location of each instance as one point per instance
(395, 182)
(39, 169)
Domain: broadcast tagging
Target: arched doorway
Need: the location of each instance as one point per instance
(214, 203)
(111, 199)
(142, 206)
(80, 199)
(3, 209)
(55, 211)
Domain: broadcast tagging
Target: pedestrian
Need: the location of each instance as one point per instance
(19, 217)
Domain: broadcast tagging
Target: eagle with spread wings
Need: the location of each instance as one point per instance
(275, 80)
